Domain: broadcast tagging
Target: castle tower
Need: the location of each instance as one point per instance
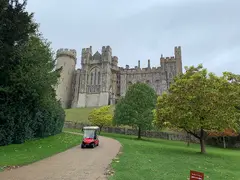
(106, 89)
(178, 58)
(66, 59)
(86, 56)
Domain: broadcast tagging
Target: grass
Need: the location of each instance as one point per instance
(158, 159)
(34, 150)
(79, 115)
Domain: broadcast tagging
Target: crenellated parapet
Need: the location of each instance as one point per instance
(67, 52)
(87, 50)
(106, 49)
(137, 70)
(167, 59)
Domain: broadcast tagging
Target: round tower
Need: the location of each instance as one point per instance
(66, 60)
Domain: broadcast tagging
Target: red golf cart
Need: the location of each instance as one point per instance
(90, 137)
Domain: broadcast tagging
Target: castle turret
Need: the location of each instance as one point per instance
(66, 60)
(149, 65)
(178, 58)
(107, 53)
(86, 55)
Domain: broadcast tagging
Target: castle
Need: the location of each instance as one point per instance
(100, 81)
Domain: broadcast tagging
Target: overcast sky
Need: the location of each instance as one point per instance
(207, 30)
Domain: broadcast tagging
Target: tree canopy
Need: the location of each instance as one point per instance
(199, 102)
(101, 116)
(136, 108)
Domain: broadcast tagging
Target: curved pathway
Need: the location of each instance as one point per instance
(73, 164)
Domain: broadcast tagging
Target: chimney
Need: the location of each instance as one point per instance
(139, 64)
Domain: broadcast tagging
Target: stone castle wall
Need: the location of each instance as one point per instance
(100, 81)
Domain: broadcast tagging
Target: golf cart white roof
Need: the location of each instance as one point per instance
(90, 128)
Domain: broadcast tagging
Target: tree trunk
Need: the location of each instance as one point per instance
(202, 142)
(188, 139)
(139, 132)
(224, 142)
(100, 129)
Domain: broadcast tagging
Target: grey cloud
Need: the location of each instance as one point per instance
(208, 31)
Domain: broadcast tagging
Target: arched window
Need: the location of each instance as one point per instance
(99, 76)
(91, 78)
(95, 76)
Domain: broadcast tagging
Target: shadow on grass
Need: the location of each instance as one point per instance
(175, 146)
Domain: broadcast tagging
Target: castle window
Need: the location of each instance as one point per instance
(99, 76)
(91, 78)
(95, 77)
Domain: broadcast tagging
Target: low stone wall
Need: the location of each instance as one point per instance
(231, 142)
(149, 134)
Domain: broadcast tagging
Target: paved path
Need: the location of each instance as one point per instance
(73, 164)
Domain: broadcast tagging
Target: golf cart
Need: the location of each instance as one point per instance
(90, 137)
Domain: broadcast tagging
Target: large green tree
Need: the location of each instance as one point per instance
(28, 107)
(199, 102)
(16, 25)
(136, 108)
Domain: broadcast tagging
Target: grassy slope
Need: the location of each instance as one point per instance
(161, 159)
(78, 115)
(34, 150)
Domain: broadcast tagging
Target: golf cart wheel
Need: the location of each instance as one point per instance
(82, 146)
(93, 145)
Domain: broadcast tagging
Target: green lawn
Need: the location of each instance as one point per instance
(34, 150)
(78, 115)
(158, 159)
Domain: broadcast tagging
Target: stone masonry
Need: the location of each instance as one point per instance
(100, 81)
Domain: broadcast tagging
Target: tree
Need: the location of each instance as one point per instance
(199, 102)
(28, 107)
(15, 29)
(101, 117)
(136, 108)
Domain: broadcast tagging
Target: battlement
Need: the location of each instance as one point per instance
(138, 70)
(106, 48)
(177, 47)
(87, 50)
(167, 59)
(67, 52)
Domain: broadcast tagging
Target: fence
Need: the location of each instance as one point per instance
(232, 142)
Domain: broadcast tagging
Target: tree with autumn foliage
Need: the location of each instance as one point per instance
(101, 116)
(199, 102)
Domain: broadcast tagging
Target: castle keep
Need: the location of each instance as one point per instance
(100, 81)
